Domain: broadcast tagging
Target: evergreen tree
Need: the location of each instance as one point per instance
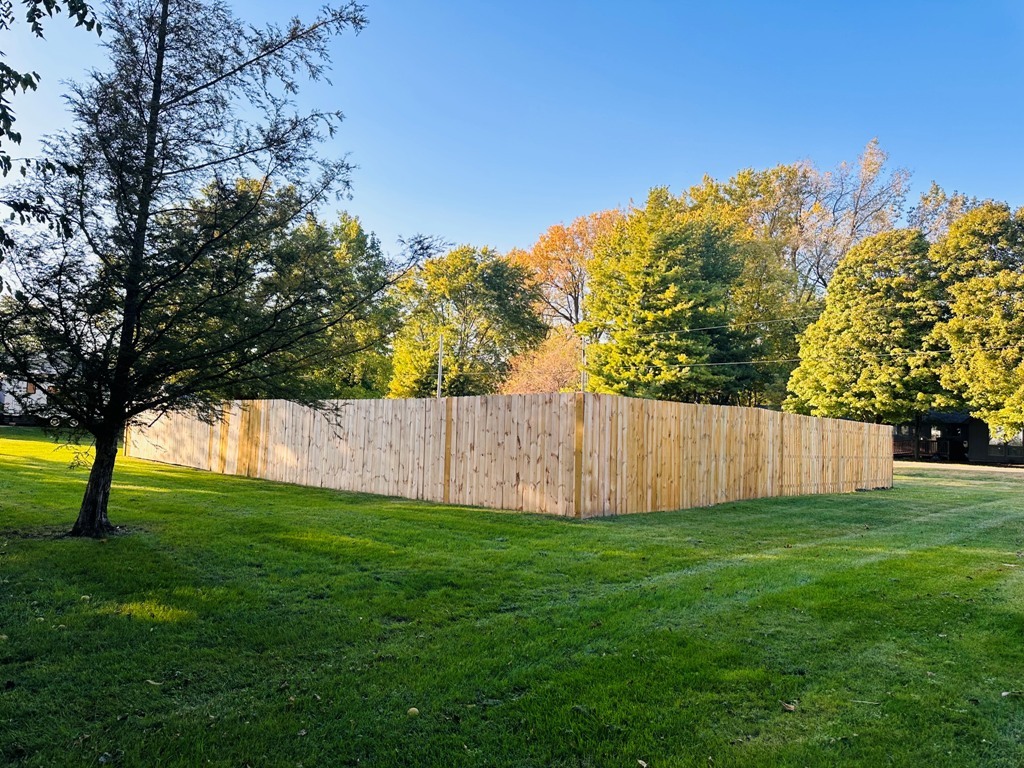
(660, 305)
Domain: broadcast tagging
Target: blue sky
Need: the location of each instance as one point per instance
(486, 122)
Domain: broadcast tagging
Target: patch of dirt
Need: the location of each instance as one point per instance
(63, 532)
(48, 532)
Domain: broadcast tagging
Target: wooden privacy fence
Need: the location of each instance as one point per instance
(577, 455)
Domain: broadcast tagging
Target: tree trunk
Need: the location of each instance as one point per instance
(92, 517)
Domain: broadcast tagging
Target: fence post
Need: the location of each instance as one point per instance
(222, 443)
(447, 474)
(577, 486)
(248, 437)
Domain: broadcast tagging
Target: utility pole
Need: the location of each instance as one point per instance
(583, 367)
(440, 362)
(583, 343)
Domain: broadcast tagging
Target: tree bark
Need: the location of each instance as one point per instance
(92, 517)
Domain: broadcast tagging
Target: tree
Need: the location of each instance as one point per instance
(483, 308)
(982, 260)
(813, 217)
(982, 242)
(868, 356)
(850, 204)
(659, 304)
(936, 211)
(770, 207)
(558, 263)
(770, 297)
(794, 223)
(177, 286)
(767, 306)
(360, 364)
(554, 366)
(13, 81)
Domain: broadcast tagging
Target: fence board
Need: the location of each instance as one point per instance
(564, 454)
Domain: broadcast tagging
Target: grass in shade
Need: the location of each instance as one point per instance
(242, 622)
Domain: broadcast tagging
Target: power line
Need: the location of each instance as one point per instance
(719, 327)
(768, 361)
(860, 355)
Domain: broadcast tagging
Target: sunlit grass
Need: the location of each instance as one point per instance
(241, 622)
(150, 610)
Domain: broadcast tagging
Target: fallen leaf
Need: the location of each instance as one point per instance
(787, 706)
(641, 763)
(153, 682)
(303, 732)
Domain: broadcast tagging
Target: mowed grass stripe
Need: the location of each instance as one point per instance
(279, 625)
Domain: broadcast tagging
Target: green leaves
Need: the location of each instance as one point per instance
(981, 257)
(869, 356)
(660, 307)
(13, 81)
(908, 327)
(484, 308)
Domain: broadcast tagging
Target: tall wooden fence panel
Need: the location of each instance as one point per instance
(646, 455)
(563, 454)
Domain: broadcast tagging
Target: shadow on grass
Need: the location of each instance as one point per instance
(251, 622)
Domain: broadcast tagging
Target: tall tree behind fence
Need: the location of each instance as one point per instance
(567, 454)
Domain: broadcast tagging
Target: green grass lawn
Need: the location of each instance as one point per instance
(242, 622)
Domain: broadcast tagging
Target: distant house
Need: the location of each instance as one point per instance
(24, 403)
(955, 436)
(20, 401)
